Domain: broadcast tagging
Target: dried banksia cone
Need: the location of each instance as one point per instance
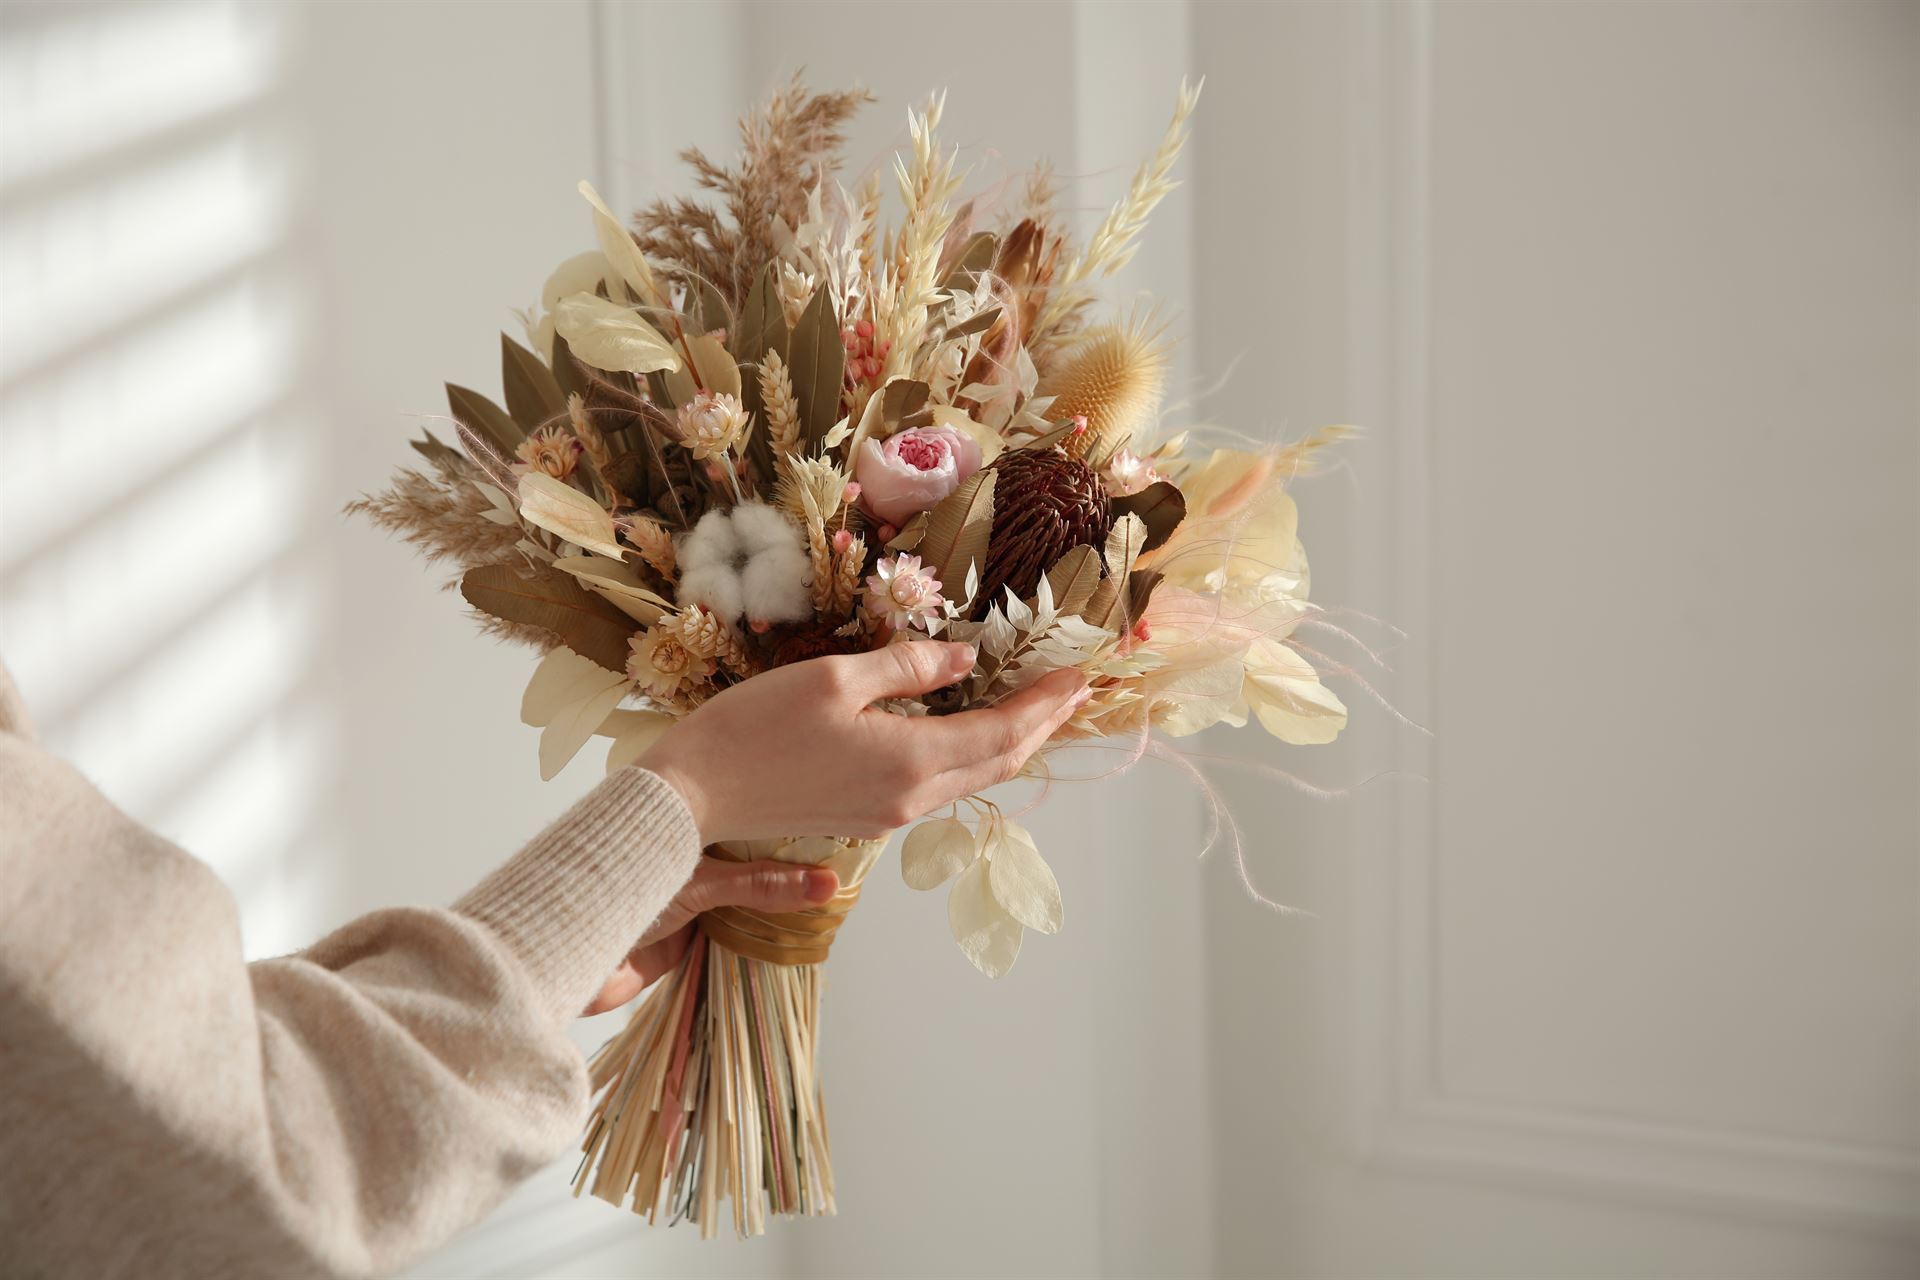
(1044, 504)
(1113, 378)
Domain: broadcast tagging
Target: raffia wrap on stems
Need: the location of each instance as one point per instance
(711, 1092)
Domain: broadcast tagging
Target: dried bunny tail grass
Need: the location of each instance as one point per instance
(787, 148)
(445, 518)
(782, 409)
(1303, 457)
(927, 185)
(1112, 244)
(1113, 376)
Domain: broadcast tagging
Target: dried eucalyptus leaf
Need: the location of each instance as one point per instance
(1022, 882)
(935, 852)
(988, 936)
(979, 322)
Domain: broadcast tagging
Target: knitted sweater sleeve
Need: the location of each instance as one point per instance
(168, 1109)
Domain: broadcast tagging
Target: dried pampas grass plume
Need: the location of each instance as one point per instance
(1113, 377)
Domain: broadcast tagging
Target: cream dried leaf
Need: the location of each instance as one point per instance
(988, 936)
(1021, 880)
(935, 852)
(609, 336)
(564, 510)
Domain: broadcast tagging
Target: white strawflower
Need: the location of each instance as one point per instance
(747, 561)
(711, 424)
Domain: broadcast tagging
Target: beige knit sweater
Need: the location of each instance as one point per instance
(167, 1109)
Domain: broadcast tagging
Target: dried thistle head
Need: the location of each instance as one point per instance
(1113, 377)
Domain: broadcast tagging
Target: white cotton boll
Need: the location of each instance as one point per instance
(712, 541)
(775, 584)
(760, 528)
(715, 587)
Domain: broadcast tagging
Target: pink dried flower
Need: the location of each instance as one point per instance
(903, 592)
(1128, 473)
(911, 471)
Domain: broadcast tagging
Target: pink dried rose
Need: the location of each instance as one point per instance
(911, 471)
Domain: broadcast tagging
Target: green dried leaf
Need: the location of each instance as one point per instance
(763, 323)
(903, 404)
(534, 399)
(957, 533)
(910, 535)
(439, 453)
(713, 312)
(553, 601)
(1160, 506)
(485, 419)
(567, 369)
(979, 322)
(818, 363)
(1060, 432)
(975, 258)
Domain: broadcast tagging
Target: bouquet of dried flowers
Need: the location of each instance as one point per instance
(747, 435)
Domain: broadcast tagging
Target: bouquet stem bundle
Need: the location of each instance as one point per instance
(711, 1092)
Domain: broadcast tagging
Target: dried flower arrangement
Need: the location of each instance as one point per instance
(749, 435)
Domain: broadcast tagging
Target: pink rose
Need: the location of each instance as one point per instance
(910, 471)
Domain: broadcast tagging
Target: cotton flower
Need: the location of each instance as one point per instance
(1127, 473)
(747, 561)
(903, 592)
(552, 451)
(661, 665)
(911, 471)
(712, 423)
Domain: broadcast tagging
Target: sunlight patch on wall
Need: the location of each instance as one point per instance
(154, 473)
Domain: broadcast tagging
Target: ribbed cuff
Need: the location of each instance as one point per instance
(572, 903)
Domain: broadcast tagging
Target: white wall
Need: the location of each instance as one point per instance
(1625, 293)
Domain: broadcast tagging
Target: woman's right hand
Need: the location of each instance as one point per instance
(800, 750)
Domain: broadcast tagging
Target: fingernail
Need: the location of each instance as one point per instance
(963, 654)
(821, 885)
(1081, 694)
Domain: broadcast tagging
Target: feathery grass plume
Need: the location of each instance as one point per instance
(782, 409)
(1302, 457)
(1112, 245)
(788, 147)
(927, 185)
(445, 516)
(1113, 376)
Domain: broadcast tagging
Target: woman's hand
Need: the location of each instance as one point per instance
(800, 750)
(764, 886)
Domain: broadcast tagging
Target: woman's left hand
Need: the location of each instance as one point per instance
(763, 886)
